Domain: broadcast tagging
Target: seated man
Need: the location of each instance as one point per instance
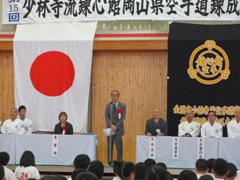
(189, 128)
(12, 125)
(156, 126)
(211, 128)
(233, 126)
(27, 123)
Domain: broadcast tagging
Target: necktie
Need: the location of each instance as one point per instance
(114, 108)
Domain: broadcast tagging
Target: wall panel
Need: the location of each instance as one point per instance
(141, 78)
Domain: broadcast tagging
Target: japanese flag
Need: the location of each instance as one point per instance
(52, 70)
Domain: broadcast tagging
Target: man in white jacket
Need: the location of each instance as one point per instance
(189, 128)
(233, 126)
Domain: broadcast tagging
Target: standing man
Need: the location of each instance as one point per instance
(27, 123)
(189, 128)
(12, 125)
(233, 126)
(115, 112)
(156, 126)
(211, 128)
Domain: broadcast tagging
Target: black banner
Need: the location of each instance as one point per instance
(203, 71)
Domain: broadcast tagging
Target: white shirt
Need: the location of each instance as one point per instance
(27, 172)
(12, 127)
(209, 130)
(192, 128)
(233, 129)
(116, 178)
(9, 175)
(27, 126)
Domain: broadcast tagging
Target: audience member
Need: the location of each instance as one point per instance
(206, 177)
(232, 172)
(1, 172)
(76, 172)
(140, 170)
(117, 169)
(162, 165)
(27, 168)
(149, 162)
(4, 159)
(187, 175)
(220, 168)
(86, 176)
(128, 171)
(156, 173)
(97, 168)
(201, 167)
(81, 161)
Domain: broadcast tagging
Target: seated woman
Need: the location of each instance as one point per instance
(63, 127)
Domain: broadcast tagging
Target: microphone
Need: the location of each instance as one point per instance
(158, 131)
(64, 129)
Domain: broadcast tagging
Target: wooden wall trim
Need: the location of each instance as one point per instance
(113, 45)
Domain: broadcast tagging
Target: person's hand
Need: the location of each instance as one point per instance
(149, 134)
(188, 135)
(114, 128)
(160, 134)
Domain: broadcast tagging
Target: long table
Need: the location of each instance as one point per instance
(226, 148)
(46, 150)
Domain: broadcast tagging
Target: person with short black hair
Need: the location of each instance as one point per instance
(140, 171)
(115, 112)
(53, 177)
(162, 165)
(128, 171)
(27, 168)
(201, 167)
(86, 176)
(149, 162)
(187, 175)
(63, 127)
(76, 172)
(27, 123)
(81, 161)
(211, 128)
(156, 173)
(97, 168)
(220, 168)
(117, 169)
(1, 172)
(12, 125)
(4, 159)
(232, 172)
(156, 126)
(206, 177)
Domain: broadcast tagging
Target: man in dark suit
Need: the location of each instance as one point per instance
(115, 112)
(156, 126)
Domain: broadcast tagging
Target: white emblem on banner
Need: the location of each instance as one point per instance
(200, 154)
(175, 148)
(55, 145)
(152, 147)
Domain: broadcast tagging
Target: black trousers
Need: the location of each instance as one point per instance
(117, 139)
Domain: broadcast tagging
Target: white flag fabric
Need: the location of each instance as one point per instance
(52, 71)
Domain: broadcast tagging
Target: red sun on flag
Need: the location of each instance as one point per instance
(52, 73)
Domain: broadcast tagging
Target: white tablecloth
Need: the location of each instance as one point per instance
(7, 144)
(188, 148)
(229, 149)
(41, 145)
